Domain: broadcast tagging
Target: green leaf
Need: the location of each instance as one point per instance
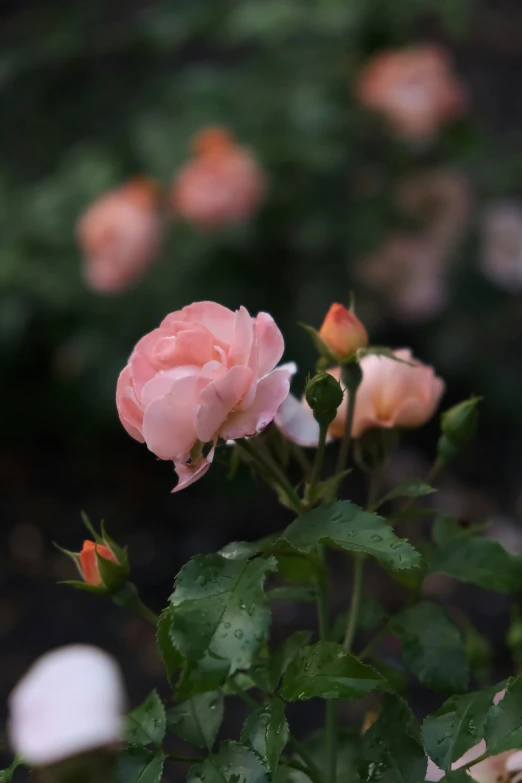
(147, 723)
(201, 676)
(234, 763)
(345, 525)
(267, 672)
(220, 609)
(457, 726)
(479, 561)
(266, 732)
(172, 659)
(299, 593)
(327, 489)
(348, 758)
(197, 720)
(411, 488)
(139, 765)
(432, 647)
(6, 775)
(297, 568)
(328, 671)
(391, 752)
(504, 721)
(371, 616)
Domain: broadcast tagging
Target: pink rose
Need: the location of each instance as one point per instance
(414, 88)
(120, 236)
(222, 184)
(392, 394)
(205, 373)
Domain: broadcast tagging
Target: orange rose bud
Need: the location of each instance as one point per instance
(342, 332)
(89, 562)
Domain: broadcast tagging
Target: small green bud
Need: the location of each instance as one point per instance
(324, 395)
(458, 426)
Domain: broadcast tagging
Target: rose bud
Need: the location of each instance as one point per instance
(458, 426)
(103, 564)
(342, 332)
(89, 556)
(206, 373)
(223, 184)
(120, 235)
(324, 395)
(71, 701)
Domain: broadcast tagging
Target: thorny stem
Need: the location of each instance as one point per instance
(351, 375)
(274, 472)
(319, 458)
(355, 602)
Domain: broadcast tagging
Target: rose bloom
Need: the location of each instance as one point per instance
(414, 88)
(89, 562)
(205, 373)
(501, 258)
(223, 183)
(71, 701)
(392, 394)
(120, 235)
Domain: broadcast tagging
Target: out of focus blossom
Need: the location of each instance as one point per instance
(501, 768)
(71, 701)
(120, 235)
(501, 257)
(205, 373)
(414, 88)
(410, 269)
(392, 394)
(222, 184)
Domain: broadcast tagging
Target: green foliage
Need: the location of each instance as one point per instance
(197, 720)
(266, 732)
(432, 647)
(234, 763)
(504, 721)
(457, 726)
(390, 749)
(147, 724)
(267, 672)
(170, 655)
(220, 615)
(346, 526)
(328, 671)
(477, 560)
(139, 765)
(411, 488)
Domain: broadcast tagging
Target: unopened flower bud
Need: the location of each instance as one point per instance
(458, 427)
(342, 332)
(103, 565)
(89, 561)
(324, 395)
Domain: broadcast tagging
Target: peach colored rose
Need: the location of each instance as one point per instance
(222, 184)
(414, 88)
(205, 373)
(502, 245)
(342, 332)
(89, 562)
(120, 236)
(392, 394)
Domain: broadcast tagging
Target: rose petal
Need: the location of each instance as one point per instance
(168, 422)
(188, 474)
(216, 318)
(129, 412)
(297, 423)
(271, 343)
(270, 394)
(243, 335)
(219, 399)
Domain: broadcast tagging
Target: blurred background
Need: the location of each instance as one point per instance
(337, 167)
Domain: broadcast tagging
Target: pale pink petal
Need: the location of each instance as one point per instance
(219, 399)
(188, 474)
(297, 423)
(271, 393)
(243, 335)
(190, 346)
(216, 318)
(168, 422)
(162, 383)
(271, 343)
(129, 411)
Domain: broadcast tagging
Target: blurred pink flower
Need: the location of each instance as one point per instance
(223, 184)
(392, 394)
(205, 373)
(120, 236)
(410, 270)
(414, 88)
(501, 257)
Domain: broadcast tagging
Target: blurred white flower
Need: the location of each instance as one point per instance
(70, 701)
